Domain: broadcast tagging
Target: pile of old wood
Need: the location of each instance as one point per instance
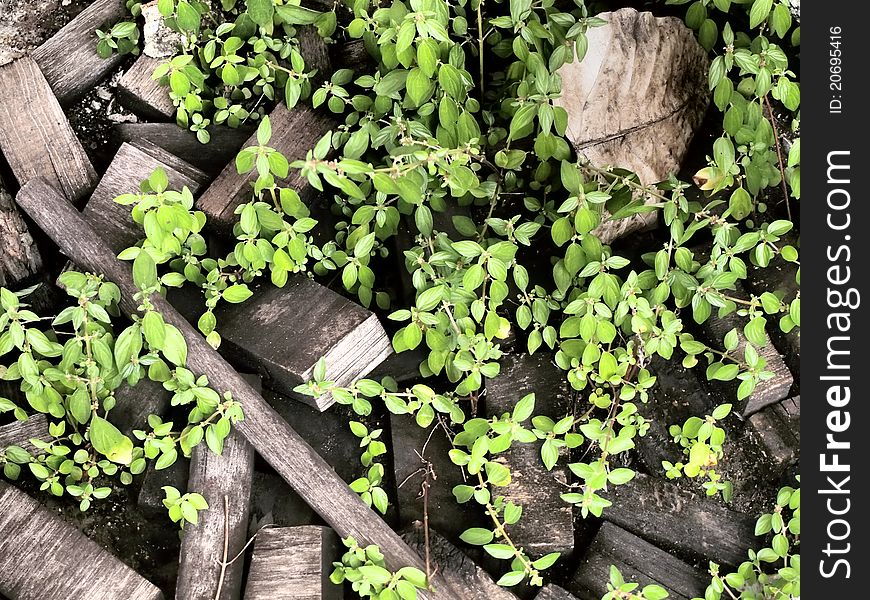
(286, 464)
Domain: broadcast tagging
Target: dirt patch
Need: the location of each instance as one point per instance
(25, 24)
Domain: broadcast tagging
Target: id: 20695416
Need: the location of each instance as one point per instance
(835, 70)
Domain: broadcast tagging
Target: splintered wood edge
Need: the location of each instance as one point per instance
(353, 357)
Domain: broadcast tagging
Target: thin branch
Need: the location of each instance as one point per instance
(224, 562)
(778, 155)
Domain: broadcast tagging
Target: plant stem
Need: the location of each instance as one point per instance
(778, 155)
(499, 526)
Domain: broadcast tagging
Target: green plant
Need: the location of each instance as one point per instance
(183, 509)
(72, 371)
(364, 568)
(751, 70)
(231, 63)
(774, 571)
(701, 440)
(455, 136)
(619, 589)
(369, 487)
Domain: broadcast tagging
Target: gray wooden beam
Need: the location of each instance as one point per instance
(143, 94)
(225, 482)
(42, 557)
(668, 516)
(19, 433)
(296, 461)
(294, 563)
(35, 136)
(547, 523)
(639, 562)
(69, 58)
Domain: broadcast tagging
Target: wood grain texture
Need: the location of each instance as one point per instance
(547, 524)
(19, 257)
(143, 95)
(19, 433)
(210, 158)
(463, 579)
(306, 321)
(69, 59)
(44, 558)
(35, 136)
(133, 163)
(294, 133)
(352, 55)
(670, 517)
(294, 563)
(766, 392)
(551, 591)
(778, 428)
(411, 445)
(636, 99)
(639, 561)
(296, 461)
(225, 482)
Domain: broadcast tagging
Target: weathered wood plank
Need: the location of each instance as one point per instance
(547, 524)
(210, 158)
(463, 579)
(133, 163)
(670, 517)
(151, 494)
(639, 561)
(294, 563)
(144, 95)
(69, 59)
(294, 133)
(766, 392)
(225, 482)
(35, 136)
(19, 433)
(352, 55)
(135, 402)
(414, 451)
(295, 460)
(19, 257)
(778, 428)
(551, 591)
(679, 393)
(779, 276)
(44, 558)
(306, 321)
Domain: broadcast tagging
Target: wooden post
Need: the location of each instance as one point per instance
(552, 591)
(19, 433)
(69, 58)
(671, 517)
(42, 557)
(639, 562)
(35, 136)
(135, 402)
(294, 133)
(415, 451)
(210, 158)
(225, 482)
(143, 95)
(133, 163)
(19, 256)
(778, 429)
(305, 321)
(547, 523)
(464, 579)
(297, 462)
(294, 563)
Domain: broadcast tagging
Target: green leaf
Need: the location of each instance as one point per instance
(144, 271)
(476, 536)
(237, 293)
(261, 11)
(110, 442)
(620, 476)
(175, 346)
(511, 578)
(524, 408)
(759, 12)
